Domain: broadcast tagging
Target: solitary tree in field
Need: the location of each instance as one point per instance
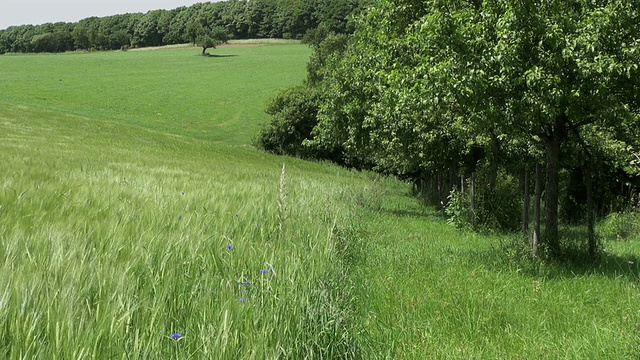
(211, 39)
(205, 36)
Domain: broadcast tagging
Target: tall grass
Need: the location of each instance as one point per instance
(114, 238)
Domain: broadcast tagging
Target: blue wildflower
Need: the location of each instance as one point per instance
(245, 283)
(175, 336)
(180, 216)
(242, 299)
(264, 271)
(230, 246)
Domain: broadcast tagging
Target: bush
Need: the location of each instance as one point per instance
(458, 210)
(293, 117)
(497, 210)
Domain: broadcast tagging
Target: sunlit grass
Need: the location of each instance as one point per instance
(132, 209)
(173, 90)
(113, 238)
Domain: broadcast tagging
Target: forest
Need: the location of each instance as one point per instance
(507, 115)
(240, 19)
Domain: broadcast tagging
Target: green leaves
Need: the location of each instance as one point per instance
(421, 83)
(210, 37)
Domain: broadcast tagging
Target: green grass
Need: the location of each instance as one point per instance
(219, 98)
(125, 175)
(435, 292)
(114, 237)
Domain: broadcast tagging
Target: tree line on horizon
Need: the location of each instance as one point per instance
(240, 19)
(492, 109)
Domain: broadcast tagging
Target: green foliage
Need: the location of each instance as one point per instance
(209, 38)
(240, 19)
(293, 115)
(325, 52)
(151, 29)
(458, 210)
(499, 209)
(422, 83)
(52, 42)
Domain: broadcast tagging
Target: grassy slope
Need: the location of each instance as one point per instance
(96, 151)
(113, 237)
(114, 226)
(220, 98)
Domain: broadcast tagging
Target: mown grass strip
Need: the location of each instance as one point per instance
(430, 291)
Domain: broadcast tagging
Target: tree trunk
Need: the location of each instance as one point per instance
(525, 203)
(591, 212)
(441, 192)
(472, 196)
(204, 49)
(536, 210)
(552, 147)
(495, 162)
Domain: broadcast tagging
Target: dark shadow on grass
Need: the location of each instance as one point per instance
(417, 212)
(612, 265)
(410, 213)
(218, 55)
(515, 255)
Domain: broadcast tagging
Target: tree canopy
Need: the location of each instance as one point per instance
(444, 89)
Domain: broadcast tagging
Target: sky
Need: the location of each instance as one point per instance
(35, 12)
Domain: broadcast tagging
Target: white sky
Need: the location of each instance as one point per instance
(22, 12)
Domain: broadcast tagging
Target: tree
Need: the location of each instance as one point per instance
(151, 28)
(206, 37)
(422, 82)
(52, 42)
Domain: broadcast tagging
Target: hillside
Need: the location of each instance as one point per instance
(136, 221)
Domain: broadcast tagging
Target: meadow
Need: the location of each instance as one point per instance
(137, 222)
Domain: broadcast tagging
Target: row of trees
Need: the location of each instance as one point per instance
(476, 101)
(240, 19)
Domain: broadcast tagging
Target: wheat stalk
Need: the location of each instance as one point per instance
(282, 201)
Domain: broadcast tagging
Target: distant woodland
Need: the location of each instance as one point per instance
(241, 19)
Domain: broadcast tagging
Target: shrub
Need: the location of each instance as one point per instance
(458, 210)
(293, 116)
(498, 210)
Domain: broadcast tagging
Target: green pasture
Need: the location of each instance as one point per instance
(132, 207)
(218, 98)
